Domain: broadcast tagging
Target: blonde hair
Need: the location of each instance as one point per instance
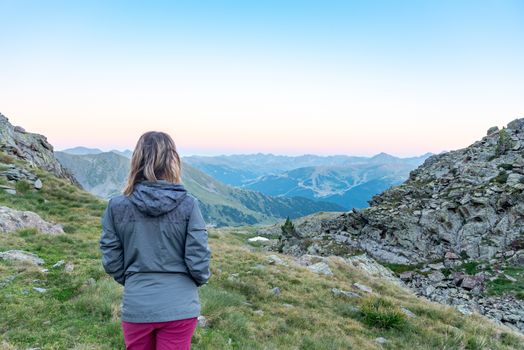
(155, 157)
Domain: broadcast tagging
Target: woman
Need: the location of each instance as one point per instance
(154, 243)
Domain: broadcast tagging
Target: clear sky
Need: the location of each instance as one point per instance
(287, 77)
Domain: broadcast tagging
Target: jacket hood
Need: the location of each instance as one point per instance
(155, 198)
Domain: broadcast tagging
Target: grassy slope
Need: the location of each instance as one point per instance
(80, 310)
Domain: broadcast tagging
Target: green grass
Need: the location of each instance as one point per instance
(80, 309)
(470, 267)
(502, 285)
(382, 313)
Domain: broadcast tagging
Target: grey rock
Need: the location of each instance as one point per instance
(7, 280)
(342, 293)
(39, 290)
(363, 288)
(407, 312)
(517, 125)
(510, 278)
(406, 276)
(470, 282)
(20, 255)
(320, 268)
(438, 266)
(463, 309)
(12, 220)
(436, 276)
(69, 267)
(429, 290)
(202, 321)
(275, 291)
(492, 130)
(58, 264)
(371, 267)
(458, 277)
(381, 340)
(38, 184)
(275, 260)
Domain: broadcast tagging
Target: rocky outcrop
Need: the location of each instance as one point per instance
(32, 148)
(12, 220)
(20, 255)
(458, 221)
(14, 173)
(468, 202)
(467, 291)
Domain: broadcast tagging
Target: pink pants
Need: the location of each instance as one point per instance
(169, 335)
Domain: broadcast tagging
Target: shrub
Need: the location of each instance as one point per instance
(288, 229)
(503, 144)
(506, 166)
(22, 186)
(502, 177)
(381, 313)
(4, 158)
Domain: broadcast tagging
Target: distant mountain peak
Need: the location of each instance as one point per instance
(383, 156)
(81, 150)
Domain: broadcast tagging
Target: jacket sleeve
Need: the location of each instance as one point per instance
(111, 247)
(197, 252)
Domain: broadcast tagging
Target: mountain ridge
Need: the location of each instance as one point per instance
(104, 174)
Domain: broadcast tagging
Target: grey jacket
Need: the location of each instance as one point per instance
(154, 243)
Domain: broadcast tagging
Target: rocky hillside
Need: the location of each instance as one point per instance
(468, 202)
(32, 148)
(453, 231)
(104, 175)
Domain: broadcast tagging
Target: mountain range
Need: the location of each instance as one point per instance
(344, 180)
(104, 174)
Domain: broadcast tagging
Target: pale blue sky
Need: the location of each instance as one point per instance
(404, 77)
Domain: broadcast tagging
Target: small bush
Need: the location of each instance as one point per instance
(70, 228)
(4, 158)
(504, 143)
(27, 232)
(506, 166)
(288, 229)
(381, 313)
(22, 186)
(470, 267)
(502, 177)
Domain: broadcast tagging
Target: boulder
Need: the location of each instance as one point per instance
(492, 130)
(320, 268)
(407, 276)
(20, 255)
(470, 282)
(275, 260)
(363, 288)
(12, 220)
(342, 293)
(436, 276)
